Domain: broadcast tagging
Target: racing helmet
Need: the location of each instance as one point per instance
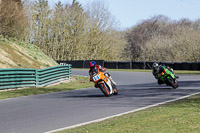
(92, 64)
(155, 65)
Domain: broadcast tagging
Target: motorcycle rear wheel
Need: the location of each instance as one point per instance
(176, 83)
(115, 89)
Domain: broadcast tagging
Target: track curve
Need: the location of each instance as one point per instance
(41, 113)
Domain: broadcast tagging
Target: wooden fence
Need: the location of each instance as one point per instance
(17, 78)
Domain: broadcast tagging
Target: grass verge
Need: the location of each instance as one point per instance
(187, 72)
(78, 82)
(178, 117)
(141, 70)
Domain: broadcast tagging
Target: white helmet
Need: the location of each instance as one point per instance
(155, 65)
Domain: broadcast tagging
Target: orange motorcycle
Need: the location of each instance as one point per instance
(104, 83)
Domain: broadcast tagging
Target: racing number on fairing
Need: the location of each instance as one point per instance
(95, 78)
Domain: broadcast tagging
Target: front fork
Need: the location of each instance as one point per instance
(109, 76)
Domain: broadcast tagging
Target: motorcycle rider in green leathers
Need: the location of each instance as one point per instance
(158, 69)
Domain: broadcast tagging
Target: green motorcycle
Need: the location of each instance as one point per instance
(168, 77)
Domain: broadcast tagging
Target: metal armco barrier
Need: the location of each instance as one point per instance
(18, 78)
(194, 66)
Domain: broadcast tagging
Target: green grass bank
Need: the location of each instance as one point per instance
(177, 117)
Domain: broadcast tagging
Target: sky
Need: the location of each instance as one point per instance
(131, 12)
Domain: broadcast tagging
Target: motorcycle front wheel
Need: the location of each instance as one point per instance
(171, 82)
(105, 89)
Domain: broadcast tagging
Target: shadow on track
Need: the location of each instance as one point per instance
(148, 90)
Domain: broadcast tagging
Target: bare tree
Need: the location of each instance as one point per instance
(12, 19)
(104, 41)
(180, 46)
(71, 32)
(142, 33)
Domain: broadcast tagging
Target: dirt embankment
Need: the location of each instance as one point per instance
(16, 54)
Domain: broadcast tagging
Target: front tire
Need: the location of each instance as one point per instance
(171, 82)
(105, 89)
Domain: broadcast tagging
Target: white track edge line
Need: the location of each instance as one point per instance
(132, 111)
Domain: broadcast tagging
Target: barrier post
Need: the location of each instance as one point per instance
(36, 77)
(70, 72)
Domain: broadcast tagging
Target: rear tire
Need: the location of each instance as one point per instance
(105, 89)
(176, 83)
(115, 89)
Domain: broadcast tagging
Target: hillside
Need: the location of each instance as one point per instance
(16, 54)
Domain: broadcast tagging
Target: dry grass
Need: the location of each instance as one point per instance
(16, 54)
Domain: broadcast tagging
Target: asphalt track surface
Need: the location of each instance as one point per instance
(47, 112)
